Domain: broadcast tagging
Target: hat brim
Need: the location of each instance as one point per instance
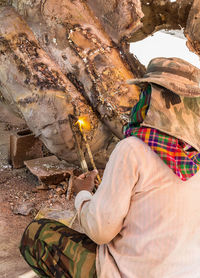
(180, 85)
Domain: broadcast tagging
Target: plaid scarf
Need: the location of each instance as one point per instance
(178, 155)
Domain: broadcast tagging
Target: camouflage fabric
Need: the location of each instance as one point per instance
(174, 74)
(175, 115)
(54, 250)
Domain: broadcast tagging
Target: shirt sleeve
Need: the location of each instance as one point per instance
(101, 215)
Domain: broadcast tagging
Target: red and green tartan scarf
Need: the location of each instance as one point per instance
(178, 155)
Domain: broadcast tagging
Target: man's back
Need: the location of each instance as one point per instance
(157, 233)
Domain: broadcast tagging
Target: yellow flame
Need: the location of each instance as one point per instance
(83, 123)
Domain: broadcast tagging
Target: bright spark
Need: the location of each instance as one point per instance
(83, 123)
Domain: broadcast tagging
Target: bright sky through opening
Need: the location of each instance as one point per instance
(163, 45)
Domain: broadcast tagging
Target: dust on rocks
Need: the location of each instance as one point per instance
(20, 200)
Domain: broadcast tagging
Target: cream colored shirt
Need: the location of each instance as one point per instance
(144, 218)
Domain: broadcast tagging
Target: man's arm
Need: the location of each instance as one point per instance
(102, 214)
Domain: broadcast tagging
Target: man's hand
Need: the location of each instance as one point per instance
(85, 181)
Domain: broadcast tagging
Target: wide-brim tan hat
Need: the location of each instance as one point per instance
(174, 74)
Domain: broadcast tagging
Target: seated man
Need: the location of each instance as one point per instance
(144, 219)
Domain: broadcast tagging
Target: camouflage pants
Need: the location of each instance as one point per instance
(54, 250)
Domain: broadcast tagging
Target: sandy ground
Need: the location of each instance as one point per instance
(17, 191)
(12, 183)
